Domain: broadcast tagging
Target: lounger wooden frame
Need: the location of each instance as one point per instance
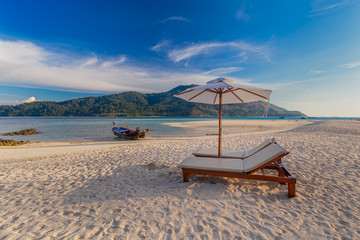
(284, 176)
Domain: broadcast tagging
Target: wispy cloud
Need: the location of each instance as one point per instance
(160, 45)
(316, 72)
(175, 18)
(351, 65)
(241, 15)
(94, 61)
(9, 102)
(320, 7)
(24, 64)
(295, 83)
(243, 57)
(114, 62)
(223, 71)
(9, 95)
(187, 52)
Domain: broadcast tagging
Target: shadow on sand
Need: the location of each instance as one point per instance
(152, 181)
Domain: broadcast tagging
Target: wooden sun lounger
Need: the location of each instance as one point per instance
(268, 158)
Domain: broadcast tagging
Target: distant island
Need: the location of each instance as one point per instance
(134, 104)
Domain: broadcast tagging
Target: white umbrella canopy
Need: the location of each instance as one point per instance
(223, 91)
(231, 93)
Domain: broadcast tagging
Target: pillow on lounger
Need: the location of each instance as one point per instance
(262, 157)
(261, 146)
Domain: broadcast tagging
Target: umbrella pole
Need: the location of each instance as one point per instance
(219, 147)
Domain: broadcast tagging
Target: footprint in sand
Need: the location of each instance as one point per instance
(94, 232)
(198, 228)
(225, 235)
(189, 234)
(154, 226)
(215, 234)
(204, 237)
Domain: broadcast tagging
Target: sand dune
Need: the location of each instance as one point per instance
(135, 191)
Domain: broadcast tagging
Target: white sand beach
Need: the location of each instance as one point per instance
(133, 190)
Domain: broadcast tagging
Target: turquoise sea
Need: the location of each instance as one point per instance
(79, 128)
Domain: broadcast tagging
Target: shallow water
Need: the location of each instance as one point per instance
(77, 128)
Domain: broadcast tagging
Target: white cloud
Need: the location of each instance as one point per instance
(320, 7)
(175, 18)
(30, 100)
(351, 65)
(180, 54)
(24, 64)
(223, 71)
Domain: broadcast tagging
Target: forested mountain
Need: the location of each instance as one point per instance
(138, 104)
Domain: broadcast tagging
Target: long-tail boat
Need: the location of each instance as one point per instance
(126, 133)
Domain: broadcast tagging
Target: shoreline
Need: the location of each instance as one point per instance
(200, 130)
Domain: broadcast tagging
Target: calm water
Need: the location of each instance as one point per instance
(75, 128)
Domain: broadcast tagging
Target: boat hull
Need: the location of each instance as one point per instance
(124, 133)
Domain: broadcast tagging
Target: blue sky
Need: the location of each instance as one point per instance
(307, 52)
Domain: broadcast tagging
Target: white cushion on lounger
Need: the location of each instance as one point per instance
(262, 145)
(262, 157)
(214, 153)
(233, 154)
(233, 164)
(214, 164)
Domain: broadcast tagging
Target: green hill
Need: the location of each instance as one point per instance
(137, 104)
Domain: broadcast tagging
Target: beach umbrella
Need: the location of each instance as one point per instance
(223, 91)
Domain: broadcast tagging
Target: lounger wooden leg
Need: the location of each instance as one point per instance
(291, 190)
(186, 176)
(281, 174)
